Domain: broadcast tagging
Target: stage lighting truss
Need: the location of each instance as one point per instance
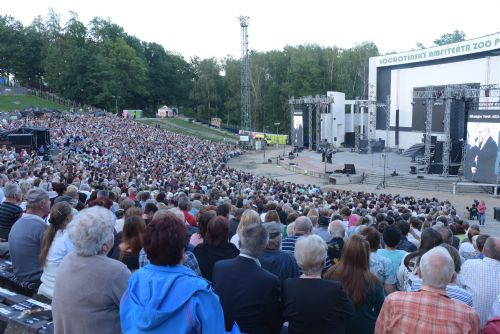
(477, 97)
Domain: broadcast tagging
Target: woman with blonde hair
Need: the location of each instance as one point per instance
(248, 217)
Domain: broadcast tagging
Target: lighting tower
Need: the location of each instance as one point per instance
(246, 121)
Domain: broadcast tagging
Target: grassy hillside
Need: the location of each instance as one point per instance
(185, 127)
(20, 102)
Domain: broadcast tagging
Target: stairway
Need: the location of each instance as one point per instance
(426, 184)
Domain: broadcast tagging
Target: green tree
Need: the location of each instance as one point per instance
(456, 36)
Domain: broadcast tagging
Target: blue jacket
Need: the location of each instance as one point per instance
(170, 299)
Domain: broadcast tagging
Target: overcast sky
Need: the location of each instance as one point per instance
(211, 28)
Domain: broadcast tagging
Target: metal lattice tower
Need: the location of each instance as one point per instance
(447, 128)
(428, 129)
(246, 120)
(478, 95)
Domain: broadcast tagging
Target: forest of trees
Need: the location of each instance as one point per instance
(100, 65)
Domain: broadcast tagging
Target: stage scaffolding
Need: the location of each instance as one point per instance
(449, 93)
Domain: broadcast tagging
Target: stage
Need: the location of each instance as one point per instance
(370, 170)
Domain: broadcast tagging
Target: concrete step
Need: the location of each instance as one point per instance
(425, 184)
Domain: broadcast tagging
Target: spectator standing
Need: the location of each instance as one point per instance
(481, 210)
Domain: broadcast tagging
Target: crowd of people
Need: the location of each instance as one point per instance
(128, 228)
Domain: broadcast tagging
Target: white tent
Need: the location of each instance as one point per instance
(164, 112)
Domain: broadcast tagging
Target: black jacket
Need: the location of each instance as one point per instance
(250, 296)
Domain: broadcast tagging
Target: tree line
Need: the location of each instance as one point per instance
(100, 64)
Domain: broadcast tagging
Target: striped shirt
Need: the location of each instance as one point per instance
(288, 245)
(453, 291)
(9, 214)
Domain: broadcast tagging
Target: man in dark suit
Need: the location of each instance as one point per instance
(250, 295)
(485, 156)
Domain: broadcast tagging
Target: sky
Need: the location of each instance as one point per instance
(211, 28)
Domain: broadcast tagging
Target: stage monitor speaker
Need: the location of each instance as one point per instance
(21, 139)
(349, 169)
(496, 213)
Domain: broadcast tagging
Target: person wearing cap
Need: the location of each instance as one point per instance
(276, 261)
(25, 241)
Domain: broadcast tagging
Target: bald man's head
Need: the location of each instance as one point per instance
(491, 248)
(303, 225)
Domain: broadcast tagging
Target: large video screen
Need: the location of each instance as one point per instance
(483, 150)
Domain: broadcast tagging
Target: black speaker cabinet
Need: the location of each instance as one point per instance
(21, 139)
(349, 169)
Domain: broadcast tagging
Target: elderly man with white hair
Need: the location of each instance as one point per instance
(89, 285)
(428, 310)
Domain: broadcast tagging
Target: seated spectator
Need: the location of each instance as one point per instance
(379, 265)
(55, 246)
(407, 271)
(404, 243)
(322, 228)
(480, 240)
(466, 249)
(215, 246)
(311, 304)
(10, 211)
(493, 324)
(248, 217)
(234, 222)
(452, 290)
(25, 241)
(336, 243)
(303, 226)
(362, 286)
(392, 236)
(249, 294)
(164, 296)
(89, 285)
(428, 310)
(203, 219)
(131, 242)
(480, 277)
(273, 259)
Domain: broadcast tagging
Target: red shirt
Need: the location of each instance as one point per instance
(424, 312)
(190, 219)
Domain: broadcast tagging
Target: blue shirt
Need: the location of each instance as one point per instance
(395, 256)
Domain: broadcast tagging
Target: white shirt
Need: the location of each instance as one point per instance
(482, 279)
